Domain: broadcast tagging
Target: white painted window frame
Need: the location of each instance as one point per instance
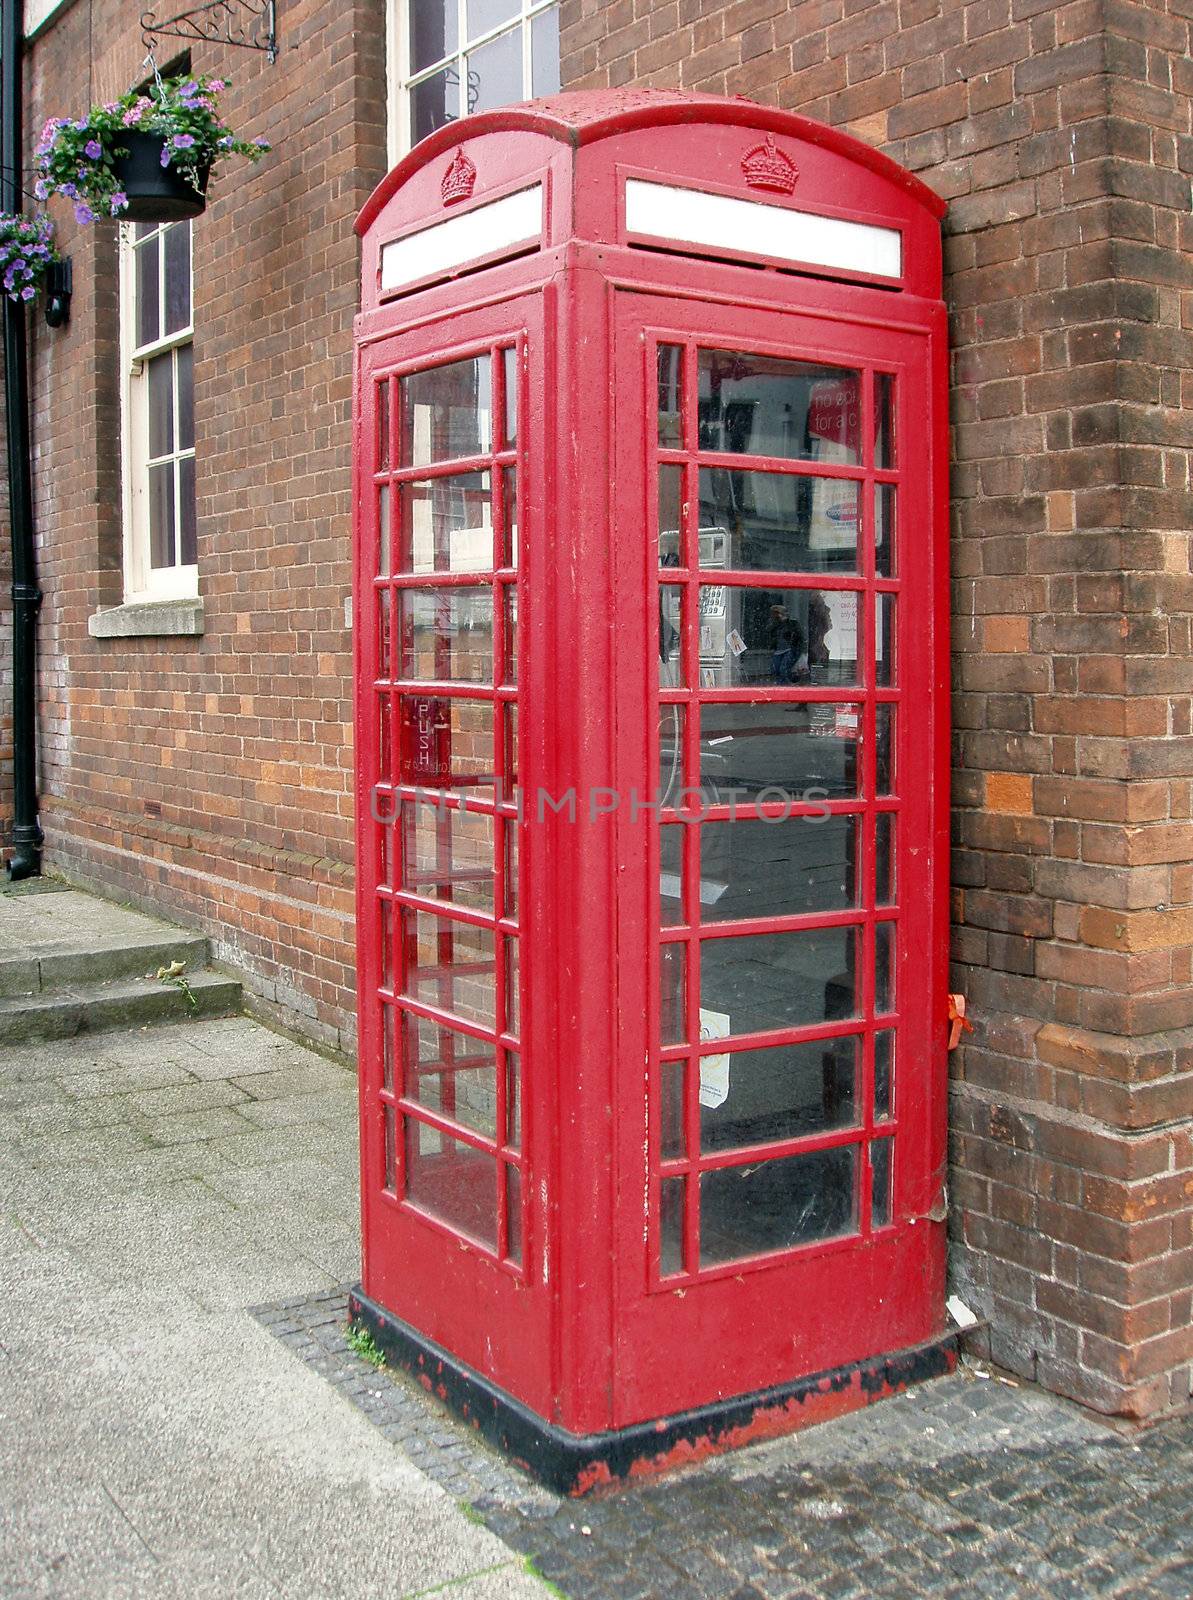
(399, 80)
(143, 582)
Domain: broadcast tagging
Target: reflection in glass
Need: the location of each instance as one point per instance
(884, 530)
(513, 986)
(671, 1109)
(671, 508)
(884, 423)
(511, 633)
(447, 524)
(451, 1074)
(780, 980)
(448, 854)
(880, 1182)
(511, 869)
(804, 752)
(161, 515)
(188, 527)
(451, 1181)
(804, 638)
(177, 242)
(671, 1225)
(884, 749)
(773, 522)
(446, 634)
(495, 72)
(884, 642)
(148, 258)
(761, 868)
(434, 101)
(185, 357)
(509, 357)
(774, 1205)
(671, 772)
(762, 405)
(513, 1100)
(433, 32)
(672, 994)
(446, 412)
(384, 532)
(784, 1093)
(513, 1213)
(544, 53)
(670, 359)
(449, 965)
(509, 479)
(161, 405)
(391, 1150)
(447, 742)
(671, 840)
(485, 14)
(884, 966)
(884, 1074)
(884, 859)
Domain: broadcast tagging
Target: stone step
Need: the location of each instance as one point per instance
(51, 967)
(121, 1003)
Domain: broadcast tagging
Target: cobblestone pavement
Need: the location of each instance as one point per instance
(966, 1487)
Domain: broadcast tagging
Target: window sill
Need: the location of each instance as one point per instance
(148, 619)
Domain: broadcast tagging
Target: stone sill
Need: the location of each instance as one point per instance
(148, 619)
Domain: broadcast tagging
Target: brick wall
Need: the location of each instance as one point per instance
(1060, 134)
(210, 777)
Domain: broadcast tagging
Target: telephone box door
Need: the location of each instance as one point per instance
(780, 1160)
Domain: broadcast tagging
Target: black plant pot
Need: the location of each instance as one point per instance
(156, 193)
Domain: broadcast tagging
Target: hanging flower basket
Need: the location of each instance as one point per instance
(155, 190)
(26, 254)
(145, 157)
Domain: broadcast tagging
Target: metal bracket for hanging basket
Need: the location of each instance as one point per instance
(248, 24)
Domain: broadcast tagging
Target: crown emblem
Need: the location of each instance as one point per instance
(767, 168)
(459, 179)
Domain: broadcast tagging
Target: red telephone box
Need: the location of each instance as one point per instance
(651, 578)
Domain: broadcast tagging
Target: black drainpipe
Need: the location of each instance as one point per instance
(25, 861)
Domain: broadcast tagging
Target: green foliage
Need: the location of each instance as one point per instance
(361, 1341)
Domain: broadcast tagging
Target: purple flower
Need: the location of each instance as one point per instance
(80, 127)
(217, 84)
(41, 190)
(165, 155)
(69, 190)
(94, 149)
(28, 292)
(84, 213)
(119, 202)
(183, 141)
(225, 141)
(189, 87)
(262, 143)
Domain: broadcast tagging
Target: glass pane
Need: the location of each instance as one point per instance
(385, 736)
(513, 986)
(447, 743)
(383, 423)
(452, 1181)
(161, 405)
(446, 412)
(670, 636)
(188, 530)
(884, 422)
(785, 637)
(511, 633)
(671, 1225)
(448, 854)
(388, 953)
(184, 356)
(511, 869)
(509, 357)
(884, 1074)
(433, 32)
(391, 1149)
(671, 841)
(764, 406)
(544, 53)
(884, 859)
(778, 751)
(434, 102)
(671, 508)
(780, 980)
(148, 292)
(513, 1099)
(495, 72)
(884, 749)
(773, 1205)
(672, 1143)
(783, 1094)
(485, 14)
(384, 640)
(772, 868)
(509, 479)
(389, 1055)
(447, 525)
(771, 522)
(670, 359)
(672, 993)
(671, 772)
(451, 1074)
(513, 1213)
(884, 642)
(384, 533)
(884, 530)
(161, 516)
(880, 1180)
(446, 635)
(449, 965)
(884, 966)
(511, 747)
(178, 277)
